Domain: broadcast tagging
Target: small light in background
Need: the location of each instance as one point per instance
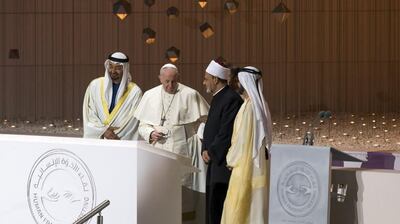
(13, 54)
(149, 35)
(172, 12)
(202, 3)
(206, 30)
(122, 9)
(172, 54)
(149, 3)
(231, 6)
(281, 12)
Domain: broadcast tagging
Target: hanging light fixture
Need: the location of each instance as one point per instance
(232, 6)
(121, 9)
(206, 30)
(149, 35)
(149, 3)
(172, 54)
(13, 54)
(281, 12)
(202, 3)
(172, 12)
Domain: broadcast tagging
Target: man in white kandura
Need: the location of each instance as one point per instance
(170, 115)
(247, 199)
(110, 102)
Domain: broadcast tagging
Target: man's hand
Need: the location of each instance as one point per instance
(205, 156)
(109, 134)
(155, 136)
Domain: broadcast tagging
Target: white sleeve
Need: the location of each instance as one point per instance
(92, 125)
(145, 131)
(200, 130)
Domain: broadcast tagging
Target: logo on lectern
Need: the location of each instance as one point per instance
(60, 188)
(298, 189)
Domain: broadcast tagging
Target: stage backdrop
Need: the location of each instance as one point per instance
(341, 55)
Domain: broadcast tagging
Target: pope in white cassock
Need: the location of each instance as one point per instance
(246, 201)
(170, 115)
(110, 102)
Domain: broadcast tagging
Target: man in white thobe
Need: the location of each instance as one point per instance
(170, 116)
(110, 102)
(246, 201)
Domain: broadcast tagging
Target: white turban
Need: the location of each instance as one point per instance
(218, 70)
(120, 59)
(252, 83)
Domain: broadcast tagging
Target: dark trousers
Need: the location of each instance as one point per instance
(215, 197)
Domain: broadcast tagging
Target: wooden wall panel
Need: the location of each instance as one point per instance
(341, 55)
(41, 6)
(3, 46)
(63, 39)
(63, 7)
(10, 36)
(10, 92)
(106, 36)
(85, 35)
(365, 26)
(383, 35)
(44, 36)
(329, 90)
(25, 92)
(26, 39)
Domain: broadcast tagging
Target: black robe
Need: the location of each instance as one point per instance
(217, 140)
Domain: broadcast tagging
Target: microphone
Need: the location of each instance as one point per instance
(309, 135)
(92, 212)
(324, 114)
(308, 138)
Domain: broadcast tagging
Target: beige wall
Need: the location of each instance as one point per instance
(341, 55)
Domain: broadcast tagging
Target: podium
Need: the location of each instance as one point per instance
(300, 178)
(373, 189)
(54, 180)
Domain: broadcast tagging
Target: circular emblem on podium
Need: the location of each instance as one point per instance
(60, 188)
(298, 189)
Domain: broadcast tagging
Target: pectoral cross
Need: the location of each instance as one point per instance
(162, 121)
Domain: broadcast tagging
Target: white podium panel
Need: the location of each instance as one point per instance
(299, 184)
(53, 180)
(372, 196)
